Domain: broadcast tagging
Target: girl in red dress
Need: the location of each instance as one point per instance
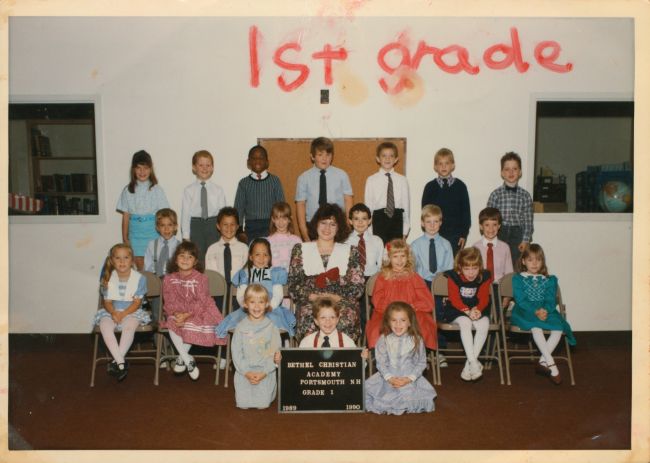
(398, 281)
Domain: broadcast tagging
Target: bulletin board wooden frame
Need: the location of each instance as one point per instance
(290, 157)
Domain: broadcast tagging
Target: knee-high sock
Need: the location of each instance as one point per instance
(553, 340)
(466, 338)
(544, 346)
(182, 348)
(482, 326)
(107, 328)
(129, 325)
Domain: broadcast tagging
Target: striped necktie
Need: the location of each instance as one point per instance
(390, 198)
(362, 250)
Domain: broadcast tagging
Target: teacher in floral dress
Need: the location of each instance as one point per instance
(326, 267)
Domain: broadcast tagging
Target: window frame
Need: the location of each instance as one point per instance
(100, 217)
(530, 161)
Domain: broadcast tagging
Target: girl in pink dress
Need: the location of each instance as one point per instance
(191, 314)
(281, 236)
(398, 281)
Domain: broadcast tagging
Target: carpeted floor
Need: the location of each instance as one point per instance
(51, 406)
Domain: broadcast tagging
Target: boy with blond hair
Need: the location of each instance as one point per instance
(450, 194)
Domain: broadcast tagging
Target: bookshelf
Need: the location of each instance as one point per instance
(63, 165)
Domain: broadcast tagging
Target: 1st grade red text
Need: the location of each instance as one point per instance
(452, 59)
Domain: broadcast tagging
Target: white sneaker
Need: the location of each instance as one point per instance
(193, 370)
(466, 374)
(475, 370)
(163, 364)
(222, 364)
(442, 360)
(179, 366)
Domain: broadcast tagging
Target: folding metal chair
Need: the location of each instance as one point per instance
(439, 287)
(530, 353)
(137, 353)
(217, 286)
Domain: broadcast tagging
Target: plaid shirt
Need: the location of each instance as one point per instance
(516, 208)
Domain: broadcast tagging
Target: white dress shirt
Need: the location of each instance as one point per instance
(214, 256)
(191, 206)
(377, 189)
(374, 250)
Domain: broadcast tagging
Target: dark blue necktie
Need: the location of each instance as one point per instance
(227, 261)
(433, 261)
(322, 193)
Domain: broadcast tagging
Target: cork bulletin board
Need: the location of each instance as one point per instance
(289, 157)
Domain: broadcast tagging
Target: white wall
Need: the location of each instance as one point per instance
(172, 86)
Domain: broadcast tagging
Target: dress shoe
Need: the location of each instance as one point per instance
(542, 369)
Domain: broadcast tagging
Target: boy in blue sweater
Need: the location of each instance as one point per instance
(450, 195)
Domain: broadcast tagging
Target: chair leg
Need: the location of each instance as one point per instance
(225, 384)
(498, 356)
(92, 374)
(506, 358)
(432, 362)
(216, 380)
(532, 350)
(438, 374)
(158, 357)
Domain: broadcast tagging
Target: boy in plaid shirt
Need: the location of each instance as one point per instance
(516, 207)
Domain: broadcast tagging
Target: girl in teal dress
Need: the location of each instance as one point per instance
(535, 293)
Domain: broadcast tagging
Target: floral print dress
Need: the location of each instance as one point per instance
(341, 274)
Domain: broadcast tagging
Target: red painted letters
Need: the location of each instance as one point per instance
(452, 59)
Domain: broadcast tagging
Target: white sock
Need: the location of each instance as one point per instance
(482, 325)
(182, 348)
(107, 328)
(129, 325)
(466, 337)
(543, 346)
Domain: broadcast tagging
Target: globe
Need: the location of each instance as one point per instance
(615, 196)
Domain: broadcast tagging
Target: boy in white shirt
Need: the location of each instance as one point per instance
(228, 255)
(387, 196)
(371, 247)
(202, 201)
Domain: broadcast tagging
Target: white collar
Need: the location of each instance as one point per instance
(313, 262)
(527, 274)
(263, 175)
(486, 241)
(113, 289)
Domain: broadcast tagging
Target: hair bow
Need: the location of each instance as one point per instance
(388, 247)
(325, 278)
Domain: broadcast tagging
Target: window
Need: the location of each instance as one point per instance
(584, 156)
(52, 159)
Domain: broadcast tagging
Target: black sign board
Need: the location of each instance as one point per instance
(321, 380)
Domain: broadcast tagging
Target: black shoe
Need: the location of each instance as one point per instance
(122, 372)
(113, 370)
